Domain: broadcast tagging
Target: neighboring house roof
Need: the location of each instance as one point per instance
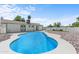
(16, 22)
(36, 24)
(12, 22)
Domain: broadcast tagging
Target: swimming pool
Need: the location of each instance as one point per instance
(33, 43)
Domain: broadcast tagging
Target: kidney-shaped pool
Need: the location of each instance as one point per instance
(33, 43)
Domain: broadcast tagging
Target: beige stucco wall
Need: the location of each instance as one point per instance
(30, 27)
(13, 28)
(40, 27)
(3, 28)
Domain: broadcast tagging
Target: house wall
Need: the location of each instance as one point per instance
(3, 28)
(39, 27)
(30, 27)
(13, 28)
(23, 28)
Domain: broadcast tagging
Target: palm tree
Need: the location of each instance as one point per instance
(28, 20)
(29, 17)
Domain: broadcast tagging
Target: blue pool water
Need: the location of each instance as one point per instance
(33, 43)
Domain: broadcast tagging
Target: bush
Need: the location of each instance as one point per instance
(58, 30)
(54, 30)
(61, 30)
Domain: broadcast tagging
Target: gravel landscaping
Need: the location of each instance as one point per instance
(71, 37)
(4, 37)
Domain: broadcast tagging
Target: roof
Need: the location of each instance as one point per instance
(16, 22)
(34, 23)
(12, 22)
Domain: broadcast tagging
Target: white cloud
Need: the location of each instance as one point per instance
(68, 20)
(47, 21)
(31, 8)
(10, 11)
(43, 21)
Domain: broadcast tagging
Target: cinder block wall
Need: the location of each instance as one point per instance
(70, 29)
(12, 28)
(3, 28)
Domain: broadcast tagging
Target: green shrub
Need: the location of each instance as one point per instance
(61, 30)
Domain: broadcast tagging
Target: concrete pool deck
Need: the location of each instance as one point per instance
(63, 46)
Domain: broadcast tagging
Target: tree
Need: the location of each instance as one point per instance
(58, 24)
(75, 24)
(55, 25)
(29, 17)
(77, 18)
(50, 25)
(17, 18)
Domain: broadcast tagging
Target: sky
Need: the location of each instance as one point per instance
(44, 14)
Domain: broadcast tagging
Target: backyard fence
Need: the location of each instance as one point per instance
(70, 29)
